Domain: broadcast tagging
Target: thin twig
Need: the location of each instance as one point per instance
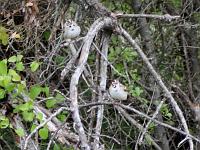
(187, 67)
(141, 114)
(160, 17)
(95, 28)
(102, 87)
(159, 81)
(149, 122)
(43, 124)
(140, 127)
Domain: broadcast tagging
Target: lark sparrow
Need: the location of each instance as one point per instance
(118, 90)
(71, 30)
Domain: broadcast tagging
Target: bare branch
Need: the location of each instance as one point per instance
(159, 81)
(187, 66)
(160, 17)
(143, 115)
(102, 87)
(17, 123)
(43, 124)
(149, 122)
(96, 26)
(134, 122)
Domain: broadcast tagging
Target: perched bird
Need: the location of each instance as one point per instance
(118, 90)
(71, 30)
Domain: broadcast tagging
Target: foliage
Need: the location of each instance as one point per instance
(3, 36)
(12, 84)
(33, 54)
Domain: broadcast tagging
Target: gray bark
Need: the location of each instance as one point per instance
(145, 33)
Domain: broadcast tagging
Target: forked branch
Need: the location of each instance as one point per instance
(159, 81)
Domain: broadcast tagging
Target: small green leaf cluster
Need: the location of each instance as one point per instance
(3, 36)
(9, 77)
(119, 54)
(23, 98)
(117, 6)
(166, 112)
(135, 91)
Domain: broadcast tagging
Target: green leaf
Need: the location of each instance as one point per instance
(20, 66)
(169, 115)
(44, 133)
(3, 66)
(2, 93)
(24, 107)
(120, 67)
(10, 87)
(14, 75)
(148, 139)
(20, 132)
(4, 122)
(70, 148)
(46, 35)
(46, 91)
(129, 55)
(114, 40)
(56, 147)
(50, 103)
(62, 117)
(28, 116)
(151, 127)
(12, 59)
(3, 36)
(33, 127)
(136, 92)
(35, 91)
(134, 74)
(5, 80)
(59, 59)
(59, 97)
(19, 58)
(34, 66)
(20, 87)
(39, 117)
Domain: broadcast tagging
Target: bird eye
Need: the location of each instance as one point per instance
(114, 85)
(70, 26)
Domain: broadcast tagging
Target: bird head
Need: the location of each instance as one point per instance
(115, 83)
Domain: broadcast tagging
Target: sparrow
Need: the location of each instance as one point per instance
(118, 91)
(71, 30)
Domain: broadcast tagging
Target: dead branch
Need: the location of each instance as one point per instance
(189, 78)
(101, 88)
(159, 81)
(47, 122)
(140, 127)
(17, 123)
(166, 17)
(95, 28)
(149, 122)
(142, 115)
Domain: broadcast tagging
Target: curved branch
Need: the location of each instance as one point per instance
(142, 115)
(140, 127)
(166, 17)
(159, 81)
(102, 87)
(95, 28)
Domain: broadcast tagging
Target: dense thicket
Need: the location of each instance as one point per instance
(54, 91)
